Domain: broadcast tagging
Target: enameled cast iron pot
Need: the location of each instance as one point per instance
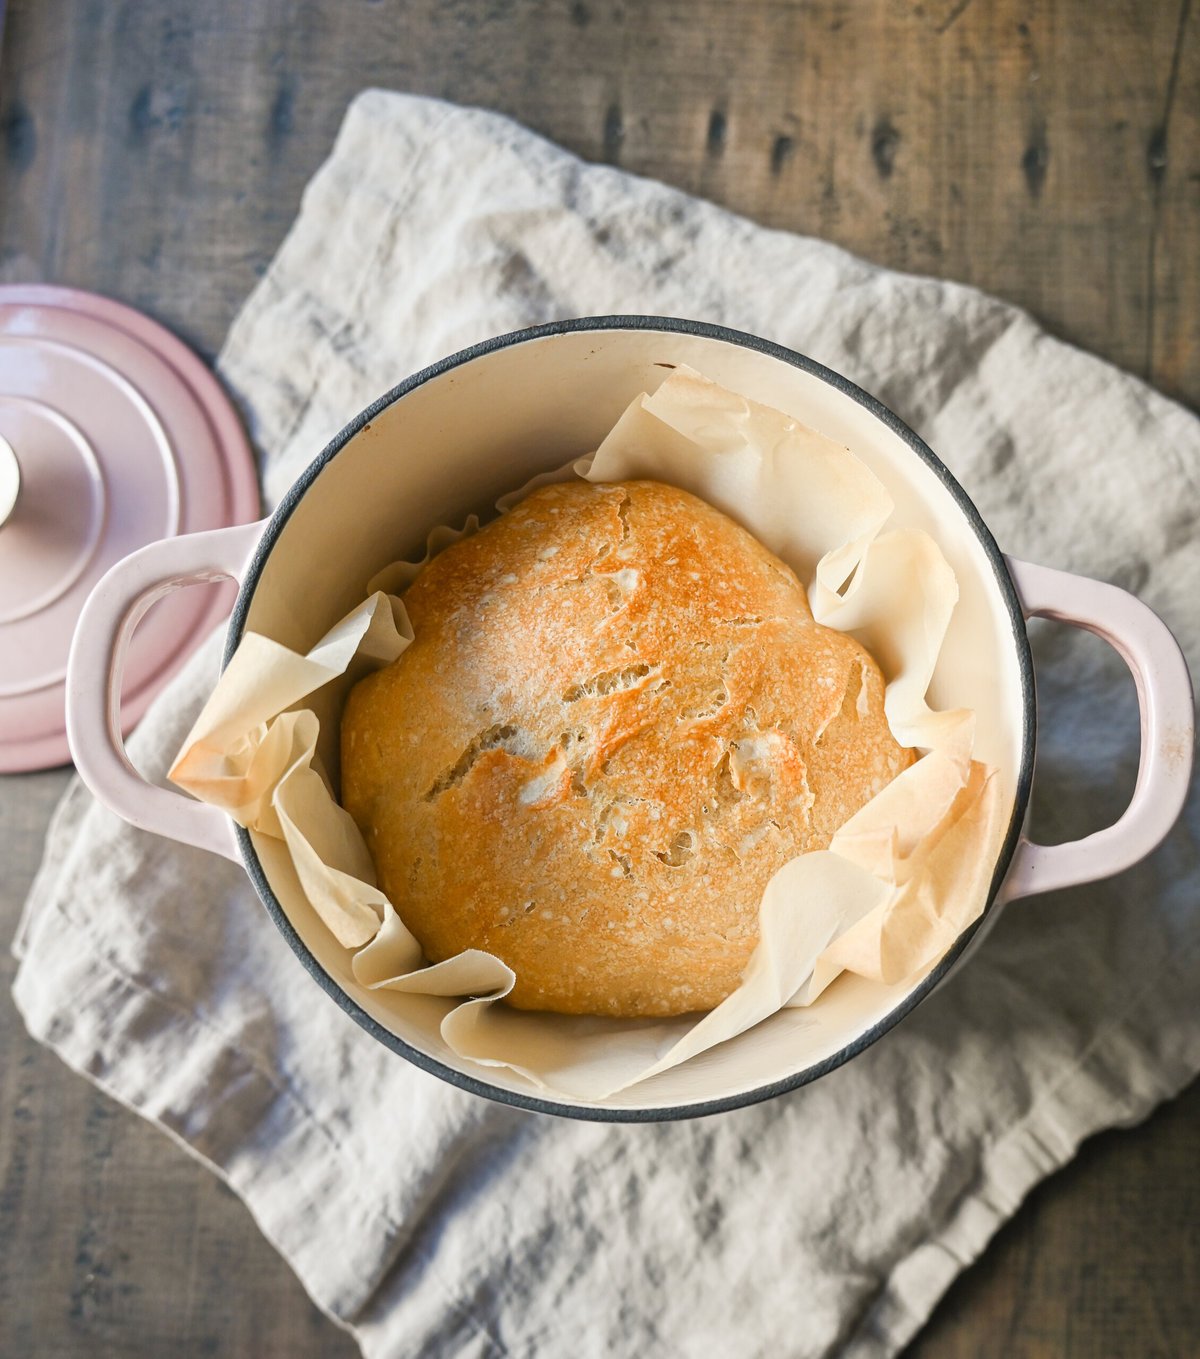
(455, 437)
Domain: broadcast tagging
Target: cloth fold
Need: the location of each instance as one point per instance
(432, 1222)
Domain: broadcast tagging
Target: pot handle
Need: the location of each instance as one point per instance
(96, 665)
(1164, 692)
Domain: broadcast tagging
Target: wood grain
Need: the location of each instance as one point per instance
(1046, 152)
(156, 151)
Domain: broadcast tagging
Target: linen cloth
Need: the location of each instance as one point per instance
(828, 1221)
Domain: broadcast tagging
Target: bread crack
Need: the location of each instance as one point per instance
(725, 791)
(607, 682)
(623, 515)
(588, 570)
(853, 704)
(718, 696)
(500, 734)
(623, 861)
(610, 813)
(616, 600)
(679, 851)
(716, 702)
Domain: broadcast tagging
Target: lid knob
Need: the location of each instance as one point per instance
(10, 480)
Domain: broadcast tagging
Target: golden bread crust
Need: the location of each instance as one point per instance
(617, 721)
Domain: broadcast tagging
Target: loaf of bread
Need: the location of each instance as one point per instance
(617, 721)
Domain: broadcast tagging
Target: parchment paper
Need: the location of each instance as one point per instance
(900, 880)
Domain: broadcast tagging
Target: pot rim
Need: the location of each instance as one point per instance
(668, 326)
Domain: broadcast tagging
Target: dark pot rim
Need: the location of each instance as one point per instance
(667, 326)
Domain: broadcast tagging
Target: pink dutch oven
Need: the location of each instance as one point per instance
(459, 434)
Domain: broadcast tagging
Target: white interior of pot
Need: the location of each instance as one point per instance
(464, 438)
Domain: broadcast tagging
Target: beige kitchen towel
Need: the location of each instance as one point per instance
(825, 1222)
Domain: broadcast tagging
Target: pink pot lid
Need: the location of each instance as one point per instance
(112, 434)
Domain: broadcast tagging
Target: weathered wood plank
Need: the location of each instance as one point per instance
(1046, 152)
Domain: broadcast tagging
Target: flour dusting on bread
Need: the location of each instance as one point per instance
(617, 720)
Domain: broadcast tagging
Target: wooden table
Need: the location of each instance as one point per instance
(1049, 153)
